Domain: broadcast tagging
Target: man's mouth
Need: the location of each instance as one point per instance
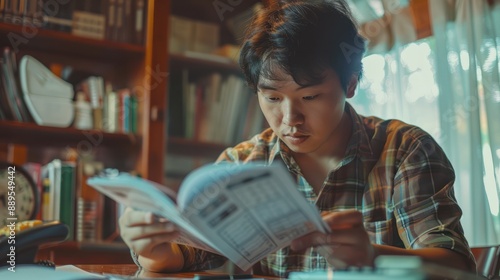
(296, 138)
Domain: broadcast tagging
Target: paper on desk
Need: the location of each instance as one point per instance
(30, 272)
(76, 270)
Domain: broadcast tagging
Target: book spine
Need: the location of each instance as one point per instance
(123, 111)
(133, 113)
(140, 21)
(126, 31)
(89, 217)
(27, 12)
(67, 198)
(118, 20)
(16, 13)
(110, 19)
(2, 9)
(11, 87)
(37, 9)
(7, 12)
(46, 201)
(111, 109)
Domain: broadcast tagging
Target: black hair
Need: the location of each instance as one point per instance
(302, 38)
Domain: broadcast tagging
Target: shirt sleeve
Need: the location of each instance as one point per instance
(427, 213)
(196, 259)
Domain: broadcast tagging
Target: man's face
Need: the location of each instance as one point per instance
(305, 118)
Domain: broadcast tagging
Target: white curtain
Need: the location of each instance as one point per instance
(448, 84)
(468, 48)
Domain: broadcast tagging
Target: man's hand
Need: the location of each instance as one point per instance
(150, 237)
(346, 245)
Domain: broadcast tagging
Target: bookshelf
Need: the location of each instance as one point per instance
(65, 43)
(123, 64)
(140, 67)
(198, 124)
(22, 133)
(148, 68)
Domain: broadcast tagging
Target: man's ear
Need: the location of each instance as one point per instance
(351, 87)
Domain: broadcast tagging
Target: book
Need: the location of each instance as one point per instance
(89, 19)
(90, 202)
(11, 94)
(241, 211)
(67, 197)
(139, 21)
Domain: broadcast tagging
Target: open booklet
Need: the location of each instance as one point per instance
(241, 211)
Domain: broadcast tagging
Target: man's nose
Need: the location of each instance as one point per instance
(292, 115)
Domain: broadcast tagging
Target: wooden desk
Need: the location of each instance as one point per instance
(120, 269)
(85, 253)
(131, 270)
(434, 272)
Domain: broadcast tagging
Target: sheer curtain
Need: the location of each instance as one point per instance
(448, 84)
(467, 47)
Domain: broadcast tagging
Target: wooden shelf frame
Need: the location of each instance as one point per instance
(33, 134)
(88, 253)
(178, 61)
(21, 37)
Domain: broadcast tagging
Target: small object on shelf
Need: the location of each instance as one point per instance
(49, 98)
(83, 112)
(16, 183)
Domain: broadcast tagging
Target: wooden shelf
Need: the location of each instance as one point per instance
(87, 253)
(178, 61)
(108, 246)
(192, 148)
(32, 134)
(20, 37)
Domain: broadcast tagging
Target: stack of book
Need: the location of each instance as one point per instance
(114, 20)
(215, 108)
(66, 197)
(112, 110)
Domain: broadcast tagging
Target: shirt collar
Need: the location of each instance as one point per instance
(359, 144)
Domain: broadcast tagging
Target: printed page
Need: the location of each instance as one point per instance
(248, 210)
(149, 196)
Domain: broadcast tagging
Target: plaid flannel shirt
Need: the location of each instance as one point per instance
(395, 174)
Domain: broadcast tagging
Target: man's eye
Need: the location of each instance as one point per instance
(273, 99)
(311, 97)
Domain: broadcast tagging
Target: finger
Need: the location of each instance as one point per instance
(308, 240)
(145, 246)
(330, 254)
(146, 232)
(133, 218)
(133, 233)
(343, 219)
(350, 236)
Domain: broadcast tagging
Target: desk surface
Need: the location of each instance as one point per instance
(131, 270)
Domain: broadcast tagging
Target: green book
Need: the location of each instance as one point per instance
(67, 202)
(133, 113)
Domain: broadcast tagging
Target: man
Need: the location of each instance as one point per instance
(385, 187)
